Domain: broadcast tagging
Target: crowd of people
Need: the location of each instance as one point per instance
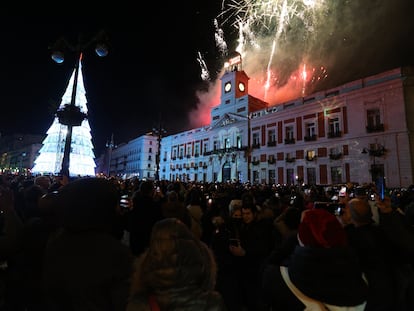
(103, 243)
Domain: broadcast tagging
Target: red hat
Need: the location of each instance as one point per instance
(320, 228)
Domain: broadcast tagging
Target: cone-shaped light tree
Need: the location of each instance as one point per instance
(67, 148)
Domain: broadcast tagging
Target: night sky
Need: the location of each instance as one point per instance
(152, 74)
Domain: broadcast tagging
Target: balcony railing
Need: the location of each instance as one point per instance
(289, 141)
(310, 138)
(375, 128)
(271, 143)
(290, 159)
(335, 156)
(334, 134)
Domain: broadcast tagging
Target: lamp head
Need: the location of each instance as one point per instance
(58, 57)
(101, 50)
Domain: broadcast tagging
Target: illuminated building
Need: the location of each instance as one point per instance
(317, 139)
(354, 132)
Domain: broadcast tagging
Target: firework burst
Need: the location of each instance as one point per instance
(274, 38)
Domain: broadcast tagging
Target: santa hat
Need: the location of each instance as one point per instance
(320, 228)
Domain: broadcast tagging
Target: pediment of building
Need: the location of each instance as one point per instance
(228, 119)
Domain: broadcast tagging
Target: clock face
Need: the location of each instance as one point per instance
(241, 87)
(227, 87)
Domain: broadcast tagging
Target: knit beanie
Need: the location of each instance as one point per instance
(320, 228)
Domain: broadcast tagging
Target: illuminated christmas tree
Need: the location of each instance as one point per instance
(81, 159)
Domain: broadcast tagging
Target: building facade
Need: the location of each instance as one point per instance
(137, 158)
(355, 132)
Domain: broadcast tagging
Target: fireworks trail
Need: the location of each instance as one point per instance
(219, 37)
(205, 74)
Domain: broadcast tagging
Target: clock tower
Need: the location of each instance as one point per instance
(234, 82)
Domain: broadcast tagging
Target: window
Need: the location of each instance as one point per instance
(271, 138)
(227, 143)
(374, 121)
(310, 155)
(335, 153)
(336, 174)
(334, 125)
(256, 177)
(311, 173)
(289, 134)
(256, 140)
(310, 131)
(215, 145)
(290, 176)
(272, 176)
(239, 143)
(373, 117)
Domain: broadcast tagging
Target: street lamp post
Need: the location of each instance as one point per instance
(71, 115)
(159, 132)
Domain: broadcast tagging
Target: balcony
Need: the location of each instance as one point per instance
(310, 158)
(290, 159)
(289, 141)
(271, 161)
(334, 134)
(373, 128)
(255, 162)
(335, 156)
(310, 138)
(271, 143)
(379, 151)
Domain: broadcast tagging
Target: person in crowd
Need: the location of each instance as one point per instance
(85, 266)
(173, 207)
(176, 272)
(372, 249)
(44, 182)
(27, 268)
(250, 252)
(286, 229)
(399, 239)
(11, 228)
(323, 271)
(144, 214)
(195, 207)
(227, 232)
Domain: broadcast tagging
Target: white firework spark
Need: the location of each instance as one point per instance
(205, 74)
